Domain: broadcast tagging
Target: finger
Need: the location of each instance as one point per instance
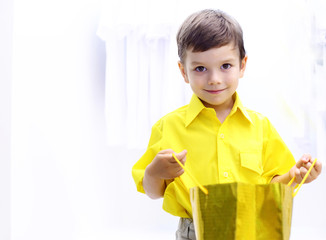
(176, 169)
(318, 167)
(316, 170)
(171, 158)
(166, 155)
(303, 160)
(307, 165)
(303, 172)
(298, 177)
(299, 163)
(313, 173)
(182, 156)
(166, 151)
(180, 172)
(306, 158)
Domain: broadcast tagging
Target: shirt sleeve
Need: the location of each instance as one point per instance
(154, 146)
(278, 159)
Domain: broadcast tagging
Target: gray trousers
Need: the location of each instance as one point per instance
(186, 230)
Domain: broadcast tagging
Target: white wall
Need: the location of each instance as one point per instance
(57, 118)
(6, 28)
(66, 182)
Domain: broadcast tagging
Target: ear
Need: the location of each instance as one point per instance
(183, 72)
(243, 66)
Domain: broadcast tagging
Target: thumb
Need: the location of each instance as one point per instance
(182, 156)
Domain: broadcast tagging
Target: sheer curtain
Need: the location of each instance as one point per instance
(142, 79)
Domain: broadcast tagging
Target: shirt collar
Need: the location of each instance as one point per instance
(196, 106)
(238, 105)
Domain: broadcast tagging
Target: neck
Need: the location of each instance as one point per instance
(223, 112)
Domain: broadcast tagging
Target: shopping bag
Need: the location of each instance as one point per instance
(234, 211)
(243, 211)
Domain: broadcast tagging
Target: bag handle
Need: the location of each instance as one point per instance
(303, 180)
(190, 175)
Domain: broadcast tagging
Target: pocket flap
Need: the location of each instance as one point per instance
(252, 161)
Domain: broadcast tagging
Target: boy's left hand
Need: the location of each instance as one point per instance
(300, 169)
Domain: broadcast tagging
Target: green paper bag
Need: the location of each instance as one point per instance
(243, 211)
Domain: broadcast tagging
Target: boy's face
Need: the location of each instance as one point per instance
(214, 74)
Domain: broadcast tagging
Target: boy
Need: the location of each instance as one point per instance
(222, 141)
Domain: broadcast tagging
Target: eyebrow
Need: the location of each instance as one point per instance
(196, 63)
(223, 60)
(230, 59)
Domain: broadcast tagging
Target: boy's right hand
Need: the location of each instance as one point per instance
(164, 165)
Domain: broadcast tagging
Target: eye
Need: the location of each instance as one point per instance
(200, 69)
(226, 66)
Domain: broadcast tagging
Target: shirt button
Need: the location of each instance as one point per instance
(222, 135)
(225, 174)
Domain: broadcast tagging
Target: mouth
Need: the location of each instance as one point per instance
(214, 91)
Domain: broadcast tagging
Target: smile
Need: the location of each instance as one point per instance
(214, 91)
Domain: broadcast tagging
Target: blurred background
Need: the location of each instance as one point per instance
(81, 83)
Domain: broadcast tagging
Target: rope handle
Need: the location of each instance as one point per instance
(192, 177)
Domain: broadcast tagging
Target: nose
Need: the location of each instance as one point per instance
(214, 78)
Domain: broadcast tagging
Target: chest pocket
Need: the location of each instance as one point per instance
(252, 161)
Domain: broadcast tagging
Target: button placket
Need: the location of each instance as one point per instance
(223, 172)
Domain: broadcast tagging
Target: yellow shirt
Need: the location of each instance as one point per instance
(244, 148)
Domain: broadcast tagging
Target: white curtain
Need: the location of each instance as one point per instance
(143, 82)
(140, 82)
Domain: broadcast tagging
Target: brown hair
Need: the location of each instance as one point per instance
(207, 29)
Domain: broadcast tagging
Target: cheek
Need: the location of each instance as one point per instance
(232, 80)
(233, 76)
(196, 81)
(229, 79)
